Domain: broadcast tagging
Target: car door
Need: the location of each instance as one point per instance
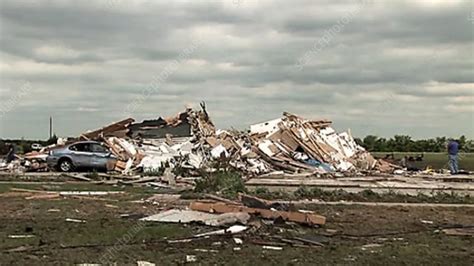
(100, 156)
(81, 154)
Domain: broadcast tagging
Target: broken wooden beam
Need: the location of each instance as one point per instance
(121, 125)
(299, 217)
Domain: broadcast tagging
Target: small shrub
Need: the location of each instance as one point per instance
(228, 183)
(93, 175)
(180, 171)
(317, 192)
(303, 192)
(261, 191)
(369, 194)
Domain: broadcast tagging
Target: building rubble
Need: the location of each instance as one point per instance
(189, 143)
(294, 145)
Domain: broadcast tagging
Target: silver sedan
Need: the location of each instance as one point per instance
(83, 154)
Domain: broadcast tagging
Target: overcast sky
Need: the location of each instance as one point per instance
(377, 67)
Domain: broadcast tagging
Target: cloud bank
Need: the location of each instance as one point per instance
(397, 67)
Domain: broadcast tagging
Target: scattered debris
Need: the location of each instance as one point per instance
(79, 177)
(206, 250)
(299, 217)
(191, 258)
(190, 142)
(312, 240)
(371, 246)
(44, 196)
(467, 231)
(180, 241)
(426, 222)
(75, 220)
(177, 153)
(89, 193)
(145, 263)
(272, 248)
(235, 229)
(132, 216)
(184, 216)
(19, 249)
(20, 236)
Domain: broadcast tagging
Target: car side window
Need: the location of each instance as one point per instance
(98, 148)
(83, 147)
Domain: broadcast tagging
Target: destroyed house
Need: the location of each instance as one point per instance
(159, 128)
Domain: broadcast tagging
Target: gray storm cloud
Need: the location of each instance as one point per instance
(391, 67)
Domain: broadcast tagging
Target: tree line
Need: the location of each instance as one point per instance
(24, 145)
(404, 143)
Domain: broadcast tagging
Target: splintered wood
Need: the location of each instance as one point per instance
(298, 217)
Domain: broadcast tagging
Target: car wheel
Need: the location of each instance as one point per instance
(65, 165)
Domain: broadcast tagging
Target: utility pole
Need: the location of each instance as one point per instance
(50, 127)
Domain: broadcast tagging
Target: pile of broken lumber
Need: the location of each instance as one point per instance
(190, 141)
(221, 212)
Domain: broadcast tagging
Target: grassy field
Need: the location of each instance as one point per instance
(353, 235)
(434, 160)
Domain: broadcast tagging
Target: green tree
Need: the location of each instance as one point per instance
(462, 142)
(370, 142)
(381, 145)
(440, 144)
(400, 143)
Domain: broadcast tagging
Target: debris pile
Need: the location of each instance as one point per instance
(190, 142)
(29, 162)
(153, 145)
(247, 215)
(293, 145)
(224, 212)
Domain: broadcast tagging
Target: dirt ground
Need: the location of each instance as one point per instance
(353, 235)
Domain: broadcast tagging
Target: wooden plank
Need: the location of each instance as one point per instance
(120, 125)
(113, 149)
(141, 180)
(288, 140)
(44, 196)
(299, 217)
(31, 190)
(308, 149)
(214, 197)
(459, 231)
(79, 177)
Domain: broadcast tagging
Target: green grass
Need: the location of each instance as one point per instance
(58, 242)
(363, 196)
(434, 160)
